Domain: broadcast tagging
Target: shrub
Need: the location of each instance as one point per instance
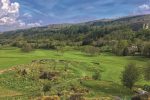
(146, 88)
(91, 50)
(96, 75)
(130, 75)
(76, 96)
(146, 49)
(46, 87)
(26, 48)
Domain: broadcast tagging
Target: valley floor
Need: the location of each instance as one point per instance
(111, 67)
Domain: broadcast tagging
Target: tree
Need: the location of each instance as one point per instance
(26, 47)
(130, 75)
(60, 50)
(91, 50)
(121, 48)
(0, 46)
(146, 50)
(125, 51)
(147, 72)
(139, 44)
(143, 34)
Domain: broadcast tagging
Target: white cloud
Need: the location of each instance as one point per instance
(7, 21)
(144, 7)
(28, 15)
(33, 24)
(8, 12)
(22, 24)
(9, 16)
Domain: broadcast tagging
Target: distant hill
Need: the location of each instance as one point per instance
(123, 20)
(134, 21)
(79, 31)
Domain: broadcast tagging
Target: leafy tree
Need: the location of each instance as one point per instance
(123, 34)
(146, 49)
(125, 51)
(60, 50)
(0, 46)
(143, 34)
(130, 75)
(139, 44)
(27, 48)
(121, 48)
(87, 41)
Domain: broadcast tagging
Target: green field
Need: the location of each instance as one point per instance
(110, 64)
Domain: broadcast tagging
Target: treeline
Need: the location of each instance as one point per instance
(122, 40)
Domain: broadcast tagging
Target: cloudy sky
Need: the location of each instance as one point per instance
(16, 14)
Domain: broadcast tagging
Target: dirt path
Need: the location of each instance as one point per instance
(6, 70)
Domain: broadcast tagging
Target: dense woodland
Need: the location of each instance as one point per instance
(124, 36)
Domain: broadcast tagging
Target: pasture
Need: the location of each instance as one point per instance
(111, 67)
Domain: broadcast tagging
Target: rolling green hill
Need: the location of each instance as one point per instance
(80, 65)
(74, 59)
(132, 21)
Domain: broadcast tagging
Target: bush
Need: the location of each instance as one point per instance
(146, 49)
(26, 48)
(120, 48)
(96, 75)
(130, 75)
(46, 87)
(146, 88)
(76, 96)
(90, 50)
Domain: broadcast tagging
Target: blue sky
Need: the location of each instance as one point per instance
(31, 13)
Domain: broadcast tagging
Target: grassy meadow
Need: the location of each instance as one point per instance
(81, 65)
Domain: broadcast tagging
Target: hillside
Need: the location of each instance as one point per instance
(124, 20)
(106, 34)
(129, 20)
(104, 60)
(127, 28)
